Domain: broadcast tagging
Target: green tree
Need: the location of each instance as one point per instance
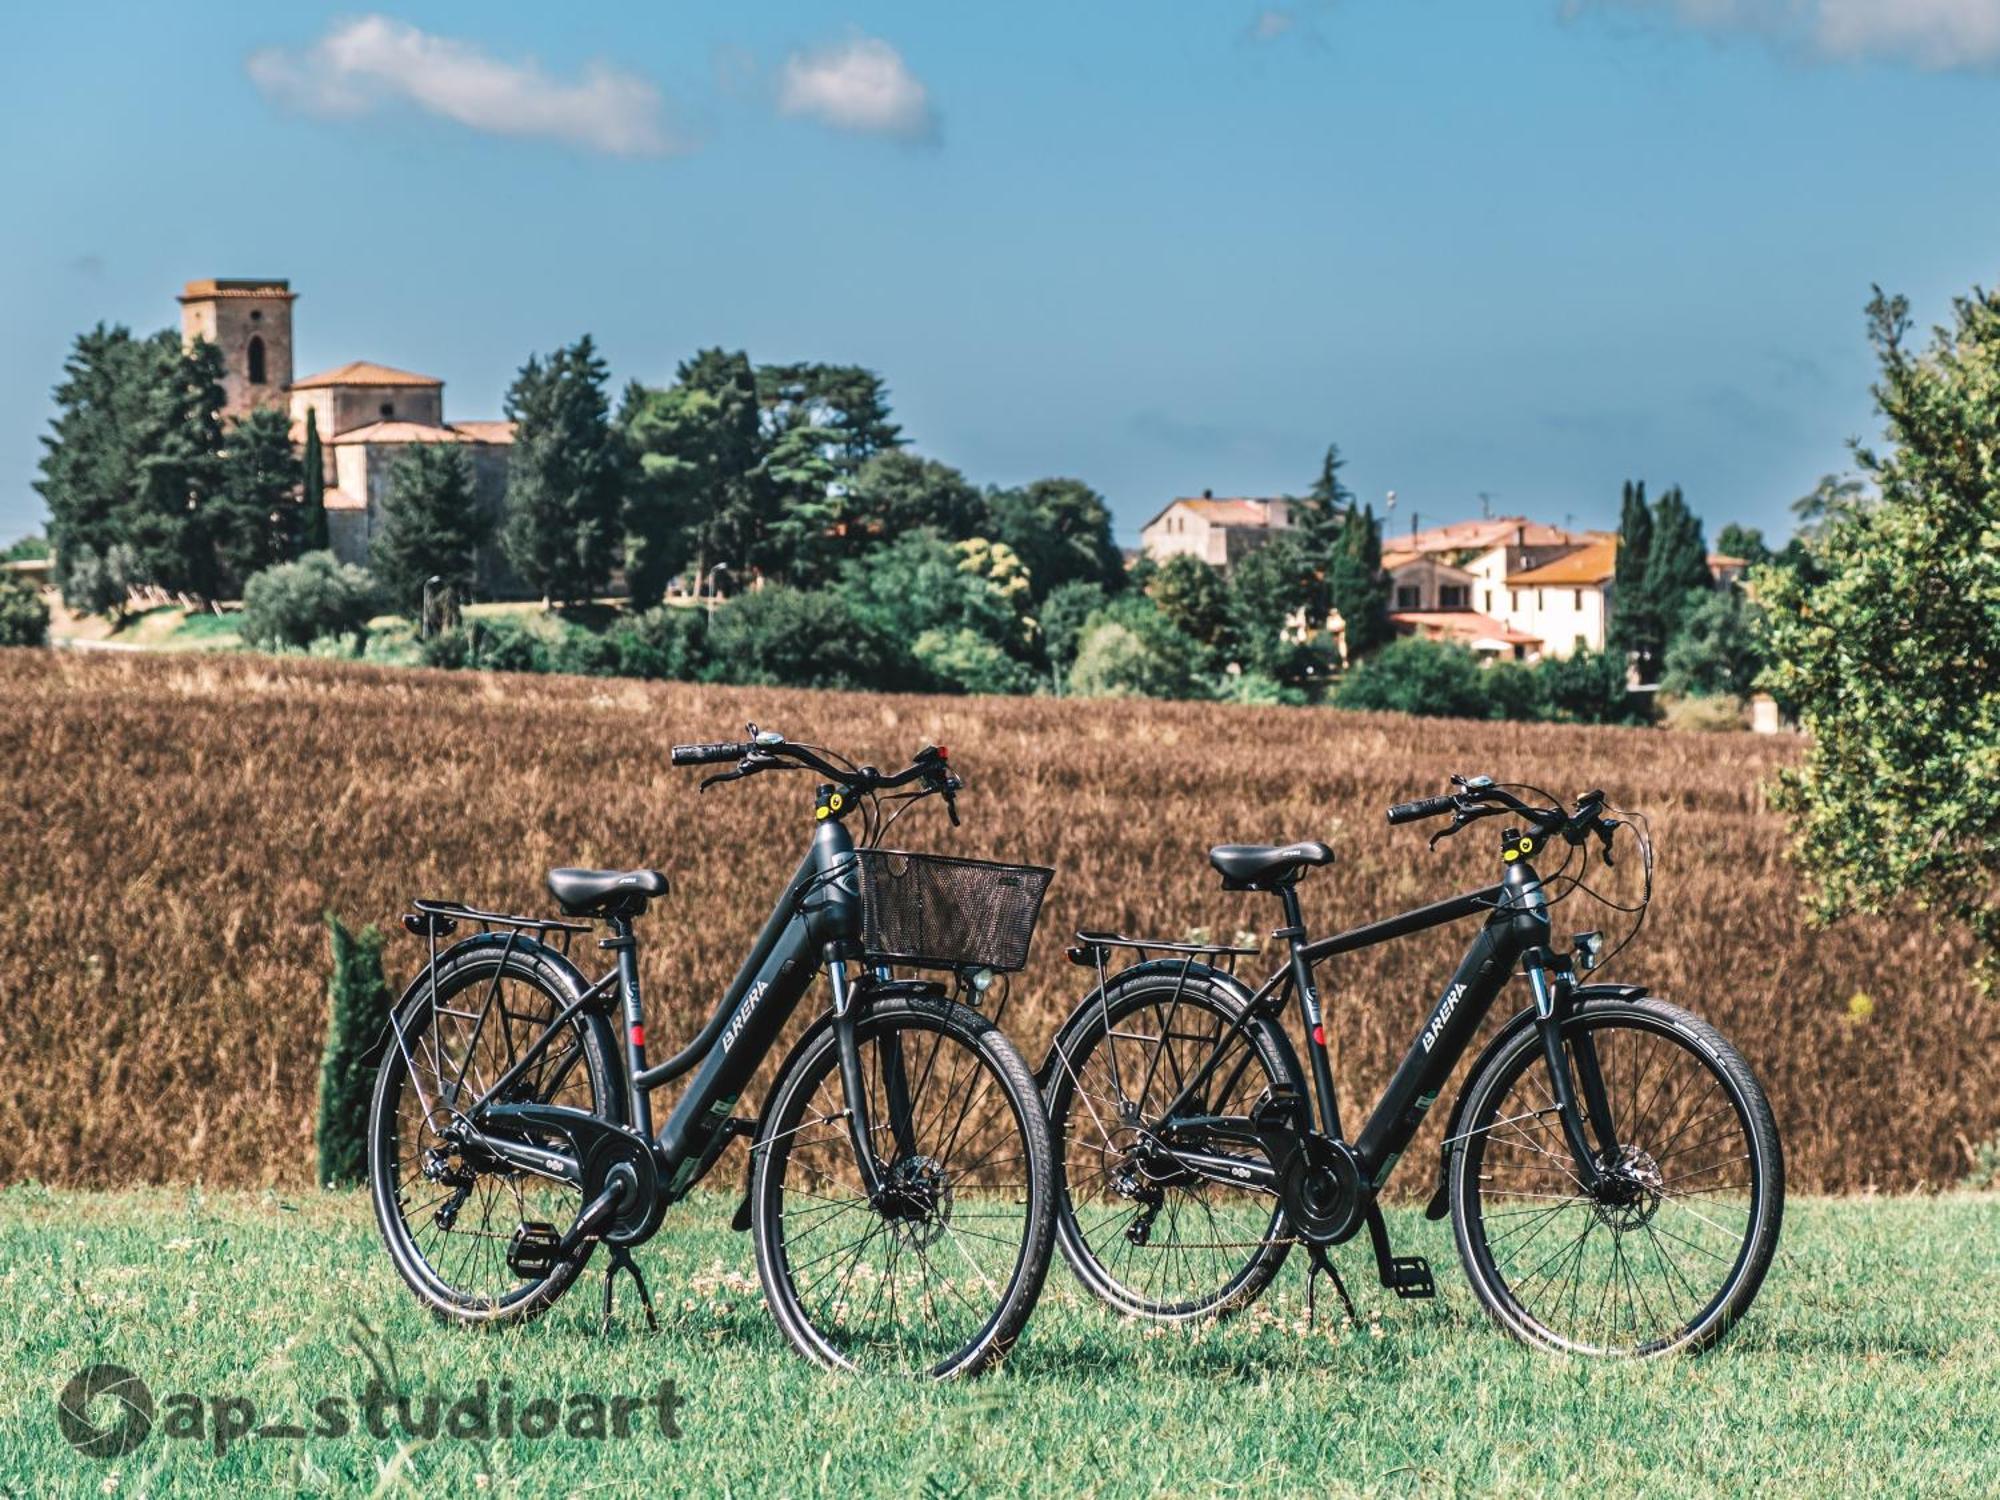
(1677, 575)
(1746, 542)
(1888, 657)
(257, 518)
(1355, 583)
(920, 584)
(1635, 622)
(1719, 650)
(1195, 601)
(1269, 588)
(1061, 528)
(566, 476)
(357, 1013)
(1130, 649)
(1062, 616)
(313, 491)
(296, 603)
(167, 520)
(897, 491)
(432, 526)
(24, 618)
(1321, 516)
(33, 547)
(701, 496)
(849, 405)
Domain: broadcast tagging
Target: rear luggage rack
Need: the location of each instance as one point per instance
(1089, 950)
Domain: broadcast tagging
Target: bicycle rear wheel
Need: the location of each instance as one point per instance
(1672, 1248)
(938, 1276)
(446, 1215)
(1151, 1239)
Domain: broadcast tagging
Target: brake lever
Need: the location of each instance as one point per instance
(1604, 827)
(750, 765)
(949, 791)
(1459, 818)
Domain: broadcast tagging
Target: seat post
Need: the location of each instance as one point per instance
(626, 946)
(1294, 934)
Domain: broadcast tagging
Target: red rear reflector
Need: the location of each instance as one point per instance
(638, 1036)
(1319, 1036)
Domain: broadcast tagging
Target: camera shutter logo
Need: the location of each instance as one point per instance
(118, 1395)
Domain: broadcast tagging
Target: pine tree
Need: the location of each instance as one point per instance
(566, 476)
(1320, 516)
(1677, 573)
(1634, 621)
(313, 496)
(256, 518)
(90, 463)
(165, 518)
(358, 1008)
(1355, 582)
(431, 525)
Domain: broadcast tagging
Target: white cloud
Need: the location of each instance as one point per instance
(1936, 34)
(374, 61)
(862, 86)
(1271, 23)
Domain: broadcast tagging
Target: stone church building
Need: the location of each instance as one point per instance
(367, 414)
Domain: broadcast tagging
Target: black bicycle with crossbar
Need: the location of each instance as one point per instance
(900, 1181)
(1612, 1169)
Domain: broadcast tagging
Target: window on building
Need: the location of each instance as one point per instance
(1514, 599)
(1408, 596)
(1488, 605)
(1577, 602)
(388, 408)
(1582, 644)
(256, 314)
(256, 361)
(1454, 596)
(1538, 600)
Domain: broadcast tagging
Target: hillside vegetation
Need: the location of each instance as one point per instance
(176, 826)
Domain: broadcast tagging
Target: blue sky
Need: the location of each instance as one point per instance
(1527, 249)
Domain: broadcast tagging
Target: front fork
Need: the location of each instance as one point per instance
(854, 1084)
(1552, 990)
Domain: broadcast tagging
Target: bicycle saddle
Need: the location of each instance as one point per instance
(600, 893)
(1264, 867)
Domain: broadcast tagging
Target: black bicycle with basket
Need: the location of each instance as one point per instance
(900, 1179)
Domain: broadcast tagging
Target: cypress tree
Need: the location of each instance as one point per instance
(313, 495)
(1677, 566)
(358, 1008)
(1634, 621)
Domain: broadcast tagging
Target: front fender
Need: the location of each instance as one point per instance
(1438, 1206)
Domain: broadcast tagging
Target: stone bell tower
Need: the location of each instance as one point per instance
(250, 321)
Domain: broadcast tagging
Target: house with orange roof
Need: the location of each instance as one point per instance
(1451, 582)
(1218, 531)
(1566, 603)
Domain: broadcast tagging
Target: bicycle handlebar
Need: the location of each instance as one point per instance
(1478, 797)
(1423, 807)
(708, 755)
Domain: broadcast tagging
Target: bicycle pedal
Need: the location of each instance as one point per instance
(1410, 1276)
(534, 1249)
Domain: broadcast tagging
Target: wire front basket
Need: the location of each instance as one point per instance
(933, 911)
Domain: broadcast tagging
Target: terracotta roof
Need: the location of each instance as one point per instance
(1236, 511)
(361, 372)
(1593, 563)
(487, 432)
(338, 499)
(201, 291)
(1478, 536)
(1394, 560)
(399, 432)
(1724, 560)
(1462, 624)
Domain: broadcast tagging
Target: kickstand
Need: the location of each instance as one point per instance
(621, 1260)
(1322, 1265)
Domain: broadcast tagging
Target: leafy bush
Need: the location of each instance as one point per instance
(965, 661)
(801, 638)
(663, 643)
(358, 1006)
(1586, 688)
(24, 618)
(1719, 650)
(1130, 649)
(296, 603)
(1418, 676)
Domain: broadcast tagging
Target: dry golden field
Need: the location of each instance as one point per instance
(174, 828)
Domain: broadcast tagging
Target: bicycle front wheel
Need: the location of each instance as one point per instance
(937, 1276)
(1671, 1246)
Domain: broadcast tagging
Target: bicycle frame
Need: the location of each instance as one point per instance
(815, 924)
(1515, 934)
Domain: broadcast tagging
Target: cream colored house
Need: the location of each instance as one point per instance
(1566, 603)
(1216, 531)
(1465, 581)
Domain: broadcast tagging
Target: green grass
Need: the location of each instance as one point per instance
(1870, 1365)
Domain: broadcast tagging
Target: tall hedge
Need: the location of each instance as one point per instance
(358, 1010)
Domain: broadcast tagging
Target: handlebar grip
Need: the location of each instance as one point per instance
(1423, 807)
(707, 755)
